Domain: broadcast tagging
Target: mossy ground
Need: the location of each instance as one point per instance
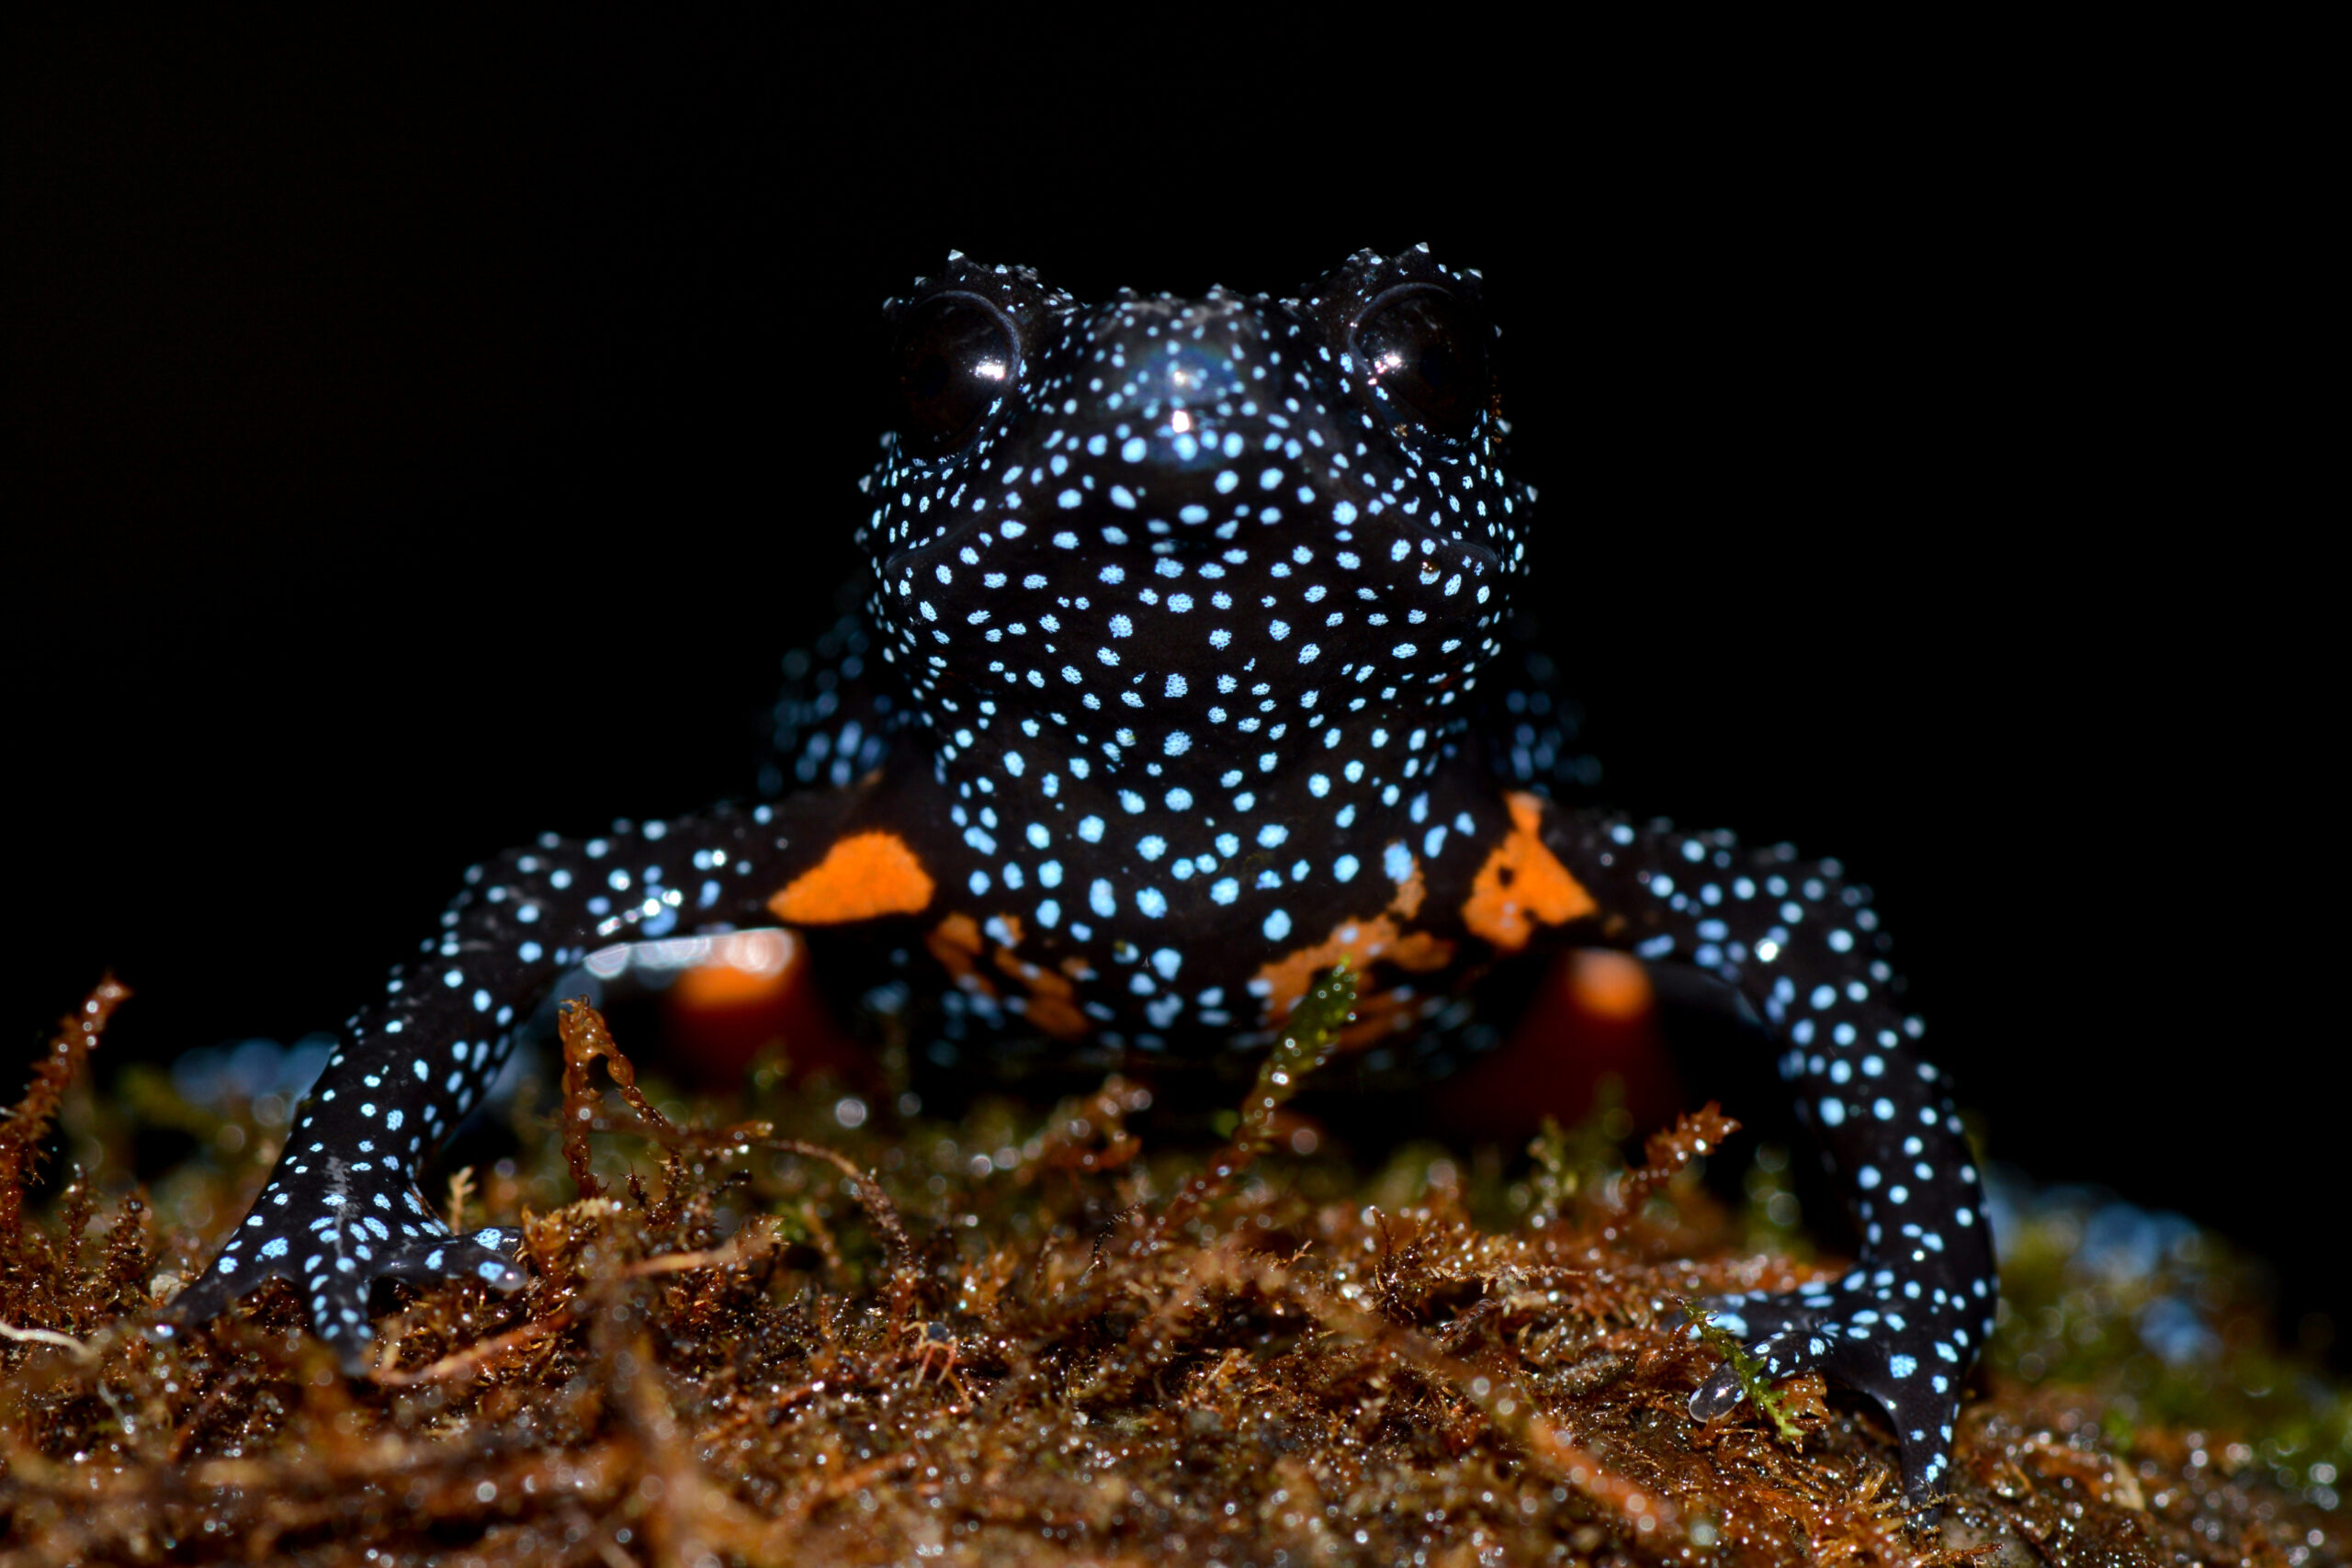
(800, 1328)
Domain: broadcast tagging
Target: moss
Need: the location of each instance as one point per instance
(1756, 1387)
(800, 1327)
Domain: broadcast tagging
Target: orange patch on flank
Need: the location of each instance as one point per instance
(1409, 892)
(863, 875)
(1523, 885)
(1360, 942)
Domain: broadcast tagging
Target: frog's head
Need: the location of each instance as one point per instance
(1138, 528)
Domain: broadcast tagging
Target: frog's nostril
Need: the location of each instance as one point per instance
(1160, 355)
(1183, 373)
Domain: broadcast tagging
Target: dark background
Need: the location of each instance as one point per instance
(416, 440)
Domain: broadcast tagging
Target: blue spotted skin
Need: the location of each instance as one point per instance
(1180, 674)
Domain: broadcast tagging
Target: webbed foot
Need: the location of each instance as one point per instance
(334, 1246)
(1872, 1331)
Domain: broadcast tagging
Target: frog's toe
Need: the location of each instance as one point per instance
(482, 1254)
(215, 1291)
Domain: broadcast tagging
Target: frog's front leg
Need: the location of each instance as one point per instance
(1803, 947)
(344, 1208)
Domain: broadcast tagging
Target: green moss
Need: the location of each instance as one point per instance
(1749, 1371)
(2171, 1327)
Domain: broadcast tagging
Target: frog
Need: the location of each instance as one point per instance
(1184, 672)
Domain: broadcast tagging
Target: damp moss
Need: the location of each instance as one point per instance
(799, 1326)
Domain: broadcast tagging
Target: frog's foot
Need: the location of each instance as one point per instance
(333, 1249)
(1874, 1334)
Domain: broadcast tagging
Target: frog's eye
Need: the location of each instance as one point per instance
(955, 356)
(1425, 352)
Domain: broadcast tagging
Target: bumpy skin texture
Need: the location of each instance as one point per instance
(1168, 695)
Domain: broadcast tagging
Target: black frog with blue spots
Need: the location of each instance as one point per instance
(1176, 683)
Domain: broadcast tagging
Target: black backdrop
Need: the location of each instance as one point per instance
(418, 439)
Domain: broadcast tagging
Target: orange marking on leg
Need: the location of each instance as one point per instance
(1409, 892)
(863, 875)
(1361, 943)
(955, 942)
(959, 941)
(1523, 885)
(1053, 1004)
